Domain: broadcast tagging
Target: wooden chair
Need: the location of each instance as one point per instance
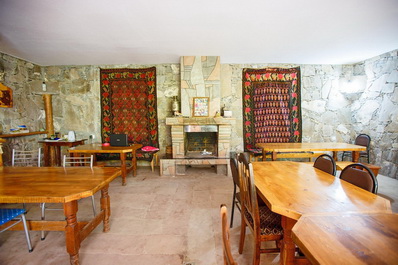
(7, 215)
(85, 161)
(361, 176)
(236, 195)
(326, 163)
(26, 158)
(363, 140)
(264, 224)
(228, 258)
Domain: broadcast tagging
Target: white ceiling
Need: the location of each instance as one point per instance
(94, 32)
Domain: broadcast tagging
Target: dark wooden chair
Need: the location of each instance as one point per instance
(363, 140)
(228, 258)
(361, 176)
(236, 195)
(264, 224)
(326, 163)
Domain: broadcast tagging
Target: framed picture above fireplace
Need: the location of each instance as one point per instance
(201, 106)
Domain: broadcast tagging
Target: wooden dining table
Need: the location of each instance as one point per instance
(121, 150)
(348, 238)
(293, 189)
(276, 148)
(52, 150)
(60, 185)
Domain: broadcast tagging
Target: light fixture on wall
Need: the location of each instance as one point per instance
(43, 85)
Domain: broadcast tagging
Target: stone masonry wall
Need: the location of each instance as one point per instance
(338, 102)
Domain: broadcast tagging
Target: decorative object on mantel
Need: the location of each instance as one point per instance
(175, 106)
(5, 96)
(271, 106)
(200, 107)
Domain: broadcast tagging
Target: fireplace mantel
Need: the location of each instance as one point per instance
(175, 121)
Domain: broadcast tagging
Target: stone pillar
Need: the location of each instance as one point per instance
(177, 137)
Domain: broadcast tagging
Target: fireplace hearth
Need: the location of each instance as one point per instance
(198, 141)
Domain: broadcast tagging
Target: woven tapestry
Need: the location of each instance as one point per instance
(271, 106)
(128, 103)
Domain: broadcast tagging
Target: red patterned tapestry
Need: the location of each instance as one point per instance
(271, 106)
(128, 103)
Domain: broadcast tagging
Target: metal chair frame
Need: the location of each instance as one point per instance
(66, 162)
(358, 141)
(18, 215)
(26, 158)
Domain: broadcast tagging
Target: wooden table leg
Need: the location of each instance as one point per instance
(355, 156)
(274, 154)
(58, 156)
(72, 233)
(106, 207)
(335, 155)
(52, 153)
(124, 168)
(46, 149)
(134, 163)
(288, 247)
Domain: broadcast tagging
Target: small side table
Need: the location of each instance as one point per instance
(49, 160)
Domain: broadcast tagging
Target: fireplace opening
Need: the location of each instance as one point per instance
(200, 141)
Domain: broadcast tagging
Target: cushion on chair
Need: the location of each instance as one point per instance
(270, 222)
(149, 149)
(9, 214)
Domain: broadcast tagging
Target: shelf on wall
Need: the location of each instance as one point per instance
(20, 134)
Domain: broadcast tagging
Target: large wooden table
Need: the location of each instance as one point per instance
(348, 238)
(292, 189)
(122, 150)
(52, 150)
(276, 148)
(60, 185)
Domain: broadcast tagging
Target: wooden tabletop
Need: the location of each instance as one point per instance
(348, 238)
(293, 189)
(63, 142)
(98, 148)
(52, 184)
(300, 147)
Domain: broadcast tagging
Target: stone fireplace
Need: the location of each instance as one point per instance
(215, 138)
(200, 141)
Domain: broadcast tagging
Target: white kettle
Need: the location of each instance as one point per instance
(71, 136)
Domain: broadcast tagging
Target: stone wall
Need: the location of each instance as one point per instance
(338, 101)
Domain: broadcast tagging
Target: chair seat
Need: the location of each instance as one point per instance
(270, 222)
(7, 215)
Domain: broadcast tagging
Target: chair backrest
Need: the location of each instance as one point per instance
(326, 163)
(84, 161)
(249, 201)
(234, 170)
(26, 158)
(361, 176)
(228, 258)
(363, 139)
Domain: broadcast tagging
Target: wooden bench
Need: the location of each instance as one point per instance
(308, 155)
(340, 165)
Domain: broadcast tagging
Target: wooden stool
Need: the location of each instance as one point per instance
(155, 160)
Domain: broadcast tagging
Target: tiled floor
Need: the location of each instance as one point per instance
(155, 220)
